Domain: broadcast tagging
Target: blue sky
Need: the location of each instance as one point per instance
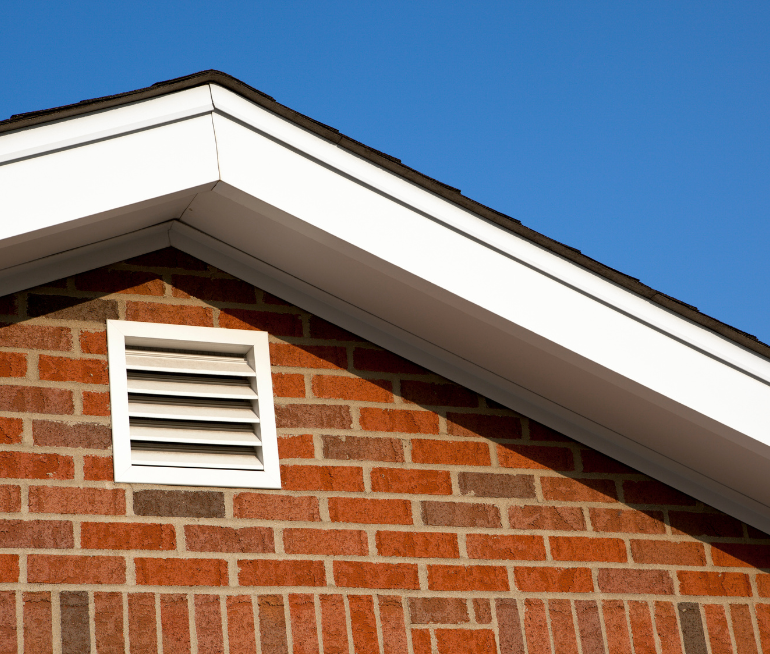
(635, 131)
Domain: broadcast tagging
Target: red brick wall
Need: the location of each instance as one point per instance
(415, 515)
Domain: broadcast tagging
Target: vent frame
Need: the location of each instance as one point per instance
(251, 345)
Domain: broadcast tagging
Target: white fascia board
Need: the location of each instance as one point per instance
(482, 279)
(58, 191)
(491, 235)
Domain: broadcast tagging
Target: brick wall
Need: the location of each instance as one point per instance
(416, 516)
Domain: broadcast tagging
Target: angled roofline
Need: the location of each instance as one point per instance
(31, 119)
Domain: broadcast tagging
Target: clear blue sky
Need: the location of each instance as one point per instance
(638, 132)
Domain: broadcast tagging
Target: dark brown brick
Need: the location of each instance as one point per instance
(40, 534)
(179, 504)
(460, 514)
(312, 416)
(692, 628)
(75, 630)
(356, 448)
(63, 307)
(556, 518)
(628, 521)
(438, 610)
(31, 399)
(62, 434)
(489, 484)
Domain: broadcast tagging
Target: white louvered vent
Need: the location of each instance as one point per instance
(192, 411)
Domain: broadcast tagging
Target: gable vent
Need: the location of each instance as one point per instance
(194, 410)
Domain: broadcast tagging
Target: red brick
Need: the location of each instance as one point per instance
(538, 432)
(421, 641)
(264, 572)
(215, 289)
(667, 627)
(401, 480)
(393, 625)
(383, 361)
(474, 424)
(142, 620)
(25, 465)
(8, 622)
(62, 569)
(330, 542)
(322, 478)
(534, 457)
(553, 580)
(96, 404)
(288, 385)
(36, 337)
(259, 506)
(734, 555)
(627, 521)
(363, 624)
(456, 453)
(763, 585)
(352, 388)
(356, 448)
(272, 625)
(136, 282)
(208, 624)
(296, 447)
(653, 492)
(536, 627)
(82, 371)
(594, 461)
(689, 523)
(616, 626)
(718, 629)
(641, 628)
(417, 545)
(428, 394)
(563, 626)
(10, 499)
(93, 342)
(97, 468)
(175, 624)
(467, 578)
(510, 548)
(9, 568)
(11, 430)
(40, 534)
(743, 629)
(367, 511)
(13, 364)
(320, 328)
(126, 536)
(65, 307)
(38, 634)
(171, 314)
(578, 490)
(63, 434)
(312, 416)
(240, 625)
(466, 641)
(763, 622)
(181, 572)
(482, 610)
(460, 514)
(589, 627)
(636, 582)
(210, 538)
(53, 499)
(304, 630)
(714, 584)
(609, 550)
(308, 356)
(438, 610)
(663, 552)
(108, 623)
(277, 324)
(399, 420)
(359, 574)
(334, 625)
(31, 399)
(552, 518)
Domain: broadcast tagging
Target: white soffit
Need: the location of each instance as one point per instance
(276, 205)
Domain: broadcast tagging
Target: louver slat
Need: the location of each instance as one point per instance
(192, 410)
